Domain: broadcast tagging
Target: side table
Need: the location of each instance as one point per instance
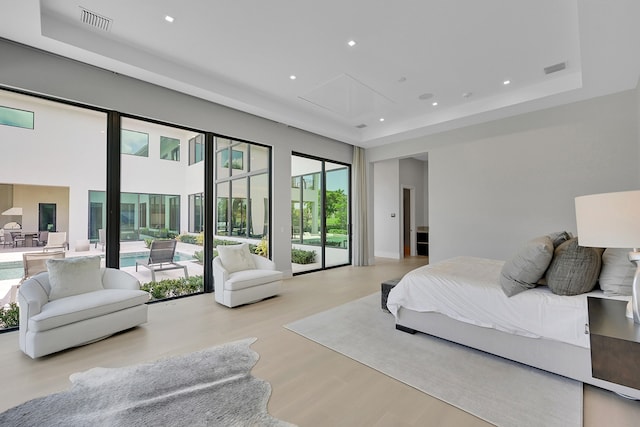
(386, 287)
(615, 342)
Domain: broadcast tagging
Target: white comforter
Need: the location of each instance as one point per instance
(467, 289)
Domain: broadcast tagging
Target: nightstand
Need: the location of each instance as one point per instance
(615, 342)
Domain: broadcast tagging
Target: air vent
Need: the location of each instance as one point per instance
(555, 68)
(361, 126)
(98, 22)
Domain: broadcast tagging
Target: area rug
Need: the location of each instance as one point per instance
(497, 390)
(212, 387)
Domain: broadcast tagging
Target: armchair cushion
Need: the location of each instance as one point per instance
(249, 278)
(84, 306)
(73, 276)
(236, 257)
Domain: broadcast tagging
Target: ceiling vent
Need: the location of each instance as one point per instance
(96, 21)
(361, 126)
(555, 68)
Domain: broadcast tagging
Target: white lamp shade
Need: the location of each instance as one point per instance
(609, 220)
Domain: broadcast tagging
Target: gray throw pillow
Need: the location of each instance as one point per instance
(574, 269)
(616, 277)
(527, 266)
(559, 238)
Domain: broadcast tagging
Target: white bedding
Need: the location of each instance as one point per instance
(468, 289)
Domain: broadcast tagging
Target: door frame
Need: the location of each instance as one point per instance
(412, 220)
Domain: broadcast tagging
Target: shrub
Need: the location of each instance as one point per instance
(187, 238)
(9, 316)
(147, 242)
(300, 256)
(169, 288)
(262, 248)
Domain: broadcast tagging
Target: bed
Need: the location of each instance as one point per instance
(461, 300)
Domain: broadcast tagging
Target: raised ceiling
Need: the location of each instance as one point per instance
(408, 55)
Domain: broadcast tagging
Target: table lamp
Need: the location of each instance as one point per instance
(612, 220)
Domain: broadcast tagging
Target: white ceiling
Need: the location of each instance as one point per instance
(241, 54)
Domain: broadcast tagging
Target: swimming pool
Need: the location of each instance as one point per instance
(14, 270)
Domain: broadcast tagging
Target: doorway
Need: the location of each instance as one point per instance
(408, 222)
(46, 217)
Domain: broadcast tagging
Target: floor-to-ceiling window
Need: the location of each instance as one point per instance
(57, 181)
(319, 214)
(52, 155)
(242, 191)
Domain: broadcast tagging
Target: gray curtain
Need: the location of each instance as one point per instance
(360, 223)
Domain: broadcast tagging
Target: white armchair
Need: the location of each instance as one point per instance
(49, 324)
(241, 277)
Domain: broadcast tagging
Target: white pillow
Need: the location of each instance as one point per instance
(74, 276)
(236, 257)
(616, 277)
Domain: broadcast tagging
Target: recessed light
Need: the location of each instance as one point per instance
(351, 43)
(435, 104)
(292, 77)
(382, 119)
(168, 18)
(506, 82)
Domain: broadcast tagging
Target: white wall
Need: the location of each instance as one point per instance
(386, 202)
(495, 185)
(31, 70)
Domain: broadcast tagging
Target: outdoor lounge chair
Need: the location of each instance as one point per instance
(56, 240)
(161, 258)
(33, 263)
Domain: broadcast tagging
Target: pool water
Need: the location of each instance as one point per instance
(13, 269)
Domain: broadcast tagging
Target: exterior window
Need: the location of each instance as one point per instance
(242, 188)
(134, 143)
(196, 149)
(137, 210)
(169, 148)
(196, 213)
(156, 203)
(17, 118)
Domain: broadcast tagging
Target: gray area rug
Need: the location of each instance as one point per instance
(494, 389)
(212, 387)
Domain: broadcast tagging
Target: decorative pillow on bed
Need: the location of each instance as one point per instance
(527, 266)
(616, 277)
(559, 238)
(73, 276)
(574, 269)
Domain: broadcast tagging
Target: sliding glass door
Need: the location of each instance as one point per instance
(319, 214)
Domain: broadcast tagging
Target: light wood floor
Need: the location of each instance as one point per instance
(312, 385)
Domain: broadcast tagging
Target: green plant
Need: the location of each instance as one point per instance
(169, 288)
(199, 256)
(147, 242)
(262, 248)
(9, 316)
(300, 256)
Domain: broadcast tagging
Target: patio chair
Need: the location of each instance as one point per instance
(101, 239)
(36, 262)
(42, 238)
(33, 263)
(161, 253)
(12, 240)
(56, 240)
